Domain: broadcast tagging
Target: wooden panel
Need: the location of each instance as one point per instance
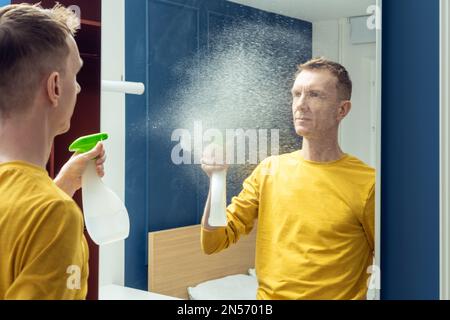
(176, 260)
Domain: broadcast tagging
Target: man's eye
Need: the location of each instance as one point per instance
(314, 94)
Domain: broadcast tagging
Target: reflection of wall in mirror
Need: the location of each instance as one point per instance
(332, 39)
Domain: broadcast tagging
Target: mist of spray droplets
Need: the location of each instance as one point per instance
(242, 80)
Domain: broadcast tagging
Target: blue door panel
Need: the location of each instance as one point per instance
(410, 150)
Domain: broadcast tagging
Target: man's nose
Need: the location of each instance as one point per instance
(301, 104)
(78, 88)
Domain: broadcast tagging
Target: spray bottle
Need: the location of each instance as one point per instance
(105, 215)
(218, 210)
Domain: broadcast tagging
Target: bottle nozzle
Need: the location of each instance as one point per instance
(87, 143)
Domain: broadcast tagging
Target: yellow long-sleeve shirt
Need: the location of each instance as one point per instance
(43, 252)
(315, 235)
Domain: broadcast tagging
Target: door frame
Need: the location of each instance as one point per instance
(378, 88)
(444, 152)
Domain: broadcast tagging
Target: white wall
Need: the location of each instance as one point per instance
(112, 256)
(325, 40)
(332, 40)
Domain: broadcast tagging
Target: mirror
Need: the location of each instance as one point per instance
(223, 70)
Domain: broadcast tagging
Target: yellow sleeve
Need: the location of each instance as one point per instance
(241, 214)
(368, 218)
(52, 260)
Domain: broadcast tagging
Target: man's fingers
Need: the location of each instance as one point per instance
(213, 167)
(94, 153)
(100, 171)
(102, 153)
(211, 162)
(101, 160)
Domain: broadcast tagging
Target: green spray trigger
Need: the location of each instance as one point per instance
(87, 143)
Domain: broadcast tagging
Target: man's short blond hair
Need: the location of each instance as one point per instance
(344, 83)
(33, 43)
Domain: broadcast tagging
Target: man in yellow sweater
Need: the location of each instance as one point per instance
(314, 207)
(43, 252)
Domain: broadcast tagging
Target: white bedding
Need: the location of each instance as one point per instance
(234, 287)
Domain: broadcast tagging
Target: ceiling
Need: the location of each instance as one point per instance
(312, 10)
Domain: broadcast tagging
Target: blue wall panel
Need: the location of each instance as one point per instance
(410, 150)
(4, 2)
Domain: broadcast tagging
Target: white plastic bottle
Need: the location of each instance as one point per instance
(105, 215)
(218, 210)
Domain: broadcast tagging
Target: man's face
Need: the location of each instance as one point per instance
(69, 87)
(315, 104)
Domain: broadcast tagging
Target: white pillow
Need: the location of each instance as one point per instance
(252, 272)
(235, 287)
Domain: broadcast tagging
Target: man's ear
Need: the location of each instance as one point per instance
(344, 109)
(54, 88)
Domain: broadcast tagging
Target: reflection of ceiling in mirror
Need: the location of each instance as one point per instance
(312, 10)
